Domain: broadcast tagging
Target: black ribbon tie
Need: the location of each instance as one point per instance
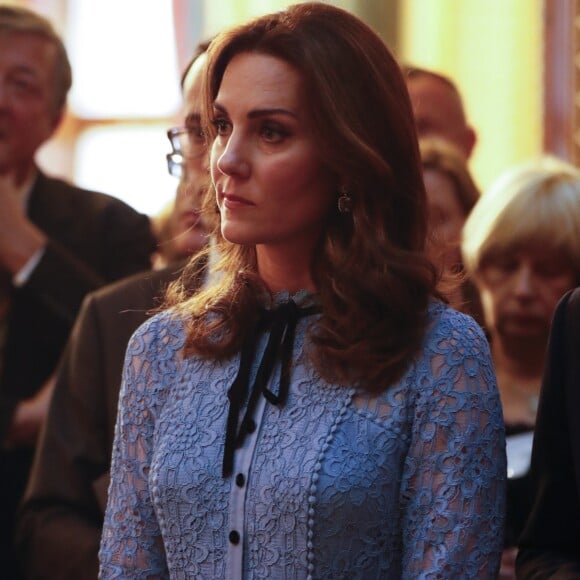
(281, 322)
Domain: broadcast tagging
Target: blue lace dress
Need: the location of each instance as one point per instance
(334, 483)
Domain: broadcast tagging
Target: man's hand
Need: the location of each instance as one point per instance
(19, 237)
(29, 417)
(507, 570)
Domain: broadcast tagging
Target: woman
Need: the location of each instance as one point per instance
(314, 412)
(451, 195)
(522, 248)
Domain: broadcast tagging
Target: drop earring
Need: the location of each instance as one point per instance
(344, 200)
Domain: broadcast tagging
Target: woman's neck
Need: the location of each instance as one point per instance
(282, 270)
(519, 369)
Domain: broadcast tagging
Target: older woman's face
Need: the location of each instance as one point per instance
(446, 218)
(271, 184)
(520, 289)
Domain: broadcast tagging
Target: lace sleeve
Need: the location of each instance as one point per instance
(131, 544)
(453, 487)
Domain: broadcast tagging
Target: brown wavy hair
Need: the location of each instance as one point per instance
(372, 275)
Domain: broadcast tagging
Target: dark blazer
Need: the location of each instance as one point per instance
(93, 239)
(550, 543)
(62, 515)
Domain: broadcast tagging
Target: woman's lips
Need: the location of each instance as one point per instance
(235, 201)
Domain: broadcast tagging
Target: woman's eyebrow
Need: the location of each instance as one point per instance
(260, 112)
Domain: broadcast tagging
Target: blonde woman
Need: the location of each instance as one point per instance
(521, 246)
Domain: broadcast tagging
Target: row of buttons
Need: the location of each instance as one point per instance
(234, 536)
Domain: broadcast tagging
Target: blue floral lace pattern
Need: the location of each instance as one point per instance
(406, 484)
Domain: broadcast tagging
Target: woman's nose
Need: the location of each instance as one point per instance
(233, 158)
(524, 281)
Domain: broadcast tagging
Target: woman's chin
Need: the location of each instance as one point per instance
(236, 235)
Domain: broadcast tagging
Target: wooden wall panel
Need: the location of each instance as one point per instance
(562, 79)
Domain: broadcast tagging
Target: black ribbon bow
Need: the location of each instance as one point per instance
(281, 322)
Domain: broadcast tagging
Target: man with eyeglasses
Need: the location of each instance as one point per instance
(179, 229)
(60, 522)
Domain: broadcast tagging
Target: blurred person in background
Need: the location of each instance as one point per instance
(451, 195)
(438, 108)
(549, 546)
(179, 228)
(521, 246)
(57, 243)
(62, 514)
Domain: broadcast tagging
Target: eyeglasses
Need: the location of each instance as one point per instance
(175, 165)
(186, 143)
(189, 142)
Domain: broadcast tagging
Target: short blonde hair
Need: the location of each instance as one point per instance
(535, 203)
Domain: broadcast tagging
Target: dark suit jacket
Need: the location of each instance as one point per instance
(93, 239)
(550, 543)
(62, 515)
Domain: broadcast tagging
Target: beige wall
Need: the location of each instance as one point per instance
(220, 14)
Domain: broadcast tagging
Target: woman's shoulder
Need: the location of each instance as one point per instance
(164, 330)
(153, 355)
(455, 355)
(455, 340)
(446, 322)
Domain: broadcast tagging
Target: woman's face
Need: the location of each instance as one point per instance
(519, 291)
(271, 185)
(446, 218)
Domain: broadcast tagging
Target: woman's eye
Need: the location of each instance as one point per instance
(552, 269)
(507, 265)
(221, 125)
(273, 133)
(23, 85)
